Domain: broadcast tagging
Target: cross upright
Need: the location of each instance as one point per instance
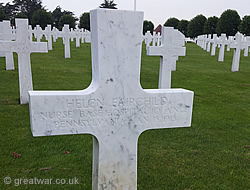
(114, 108)
(238, 45)
(7, 35)
(223, 42)
(48, 35)
(23, 47)
(167, 51)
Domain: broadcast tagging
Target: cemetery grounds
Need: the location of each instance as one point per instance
(213, 154)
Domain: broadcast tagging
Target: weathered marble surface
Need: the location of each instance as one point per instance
(23, 47)
(114, 108)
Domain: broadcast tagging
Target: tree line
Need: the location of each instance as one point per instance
(37, 14)
(229, 23)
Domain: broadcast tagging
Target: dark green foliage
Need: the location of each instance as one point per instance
(211, 25)
(3, 16)
(148, 26)
(228, 23)
(58, 13)
(9, 10)
(28, 7)
(42, 18)
(244, 27)
(196, 26)
(108, 4)
(67, 19)
(183, 26)
(85, 21)
(172, 22)
(20, 15)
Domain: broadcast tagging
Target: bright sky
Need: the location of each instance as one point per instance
(157, 11)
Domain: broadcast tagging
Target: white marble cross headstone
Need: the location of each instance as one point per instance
(238, 45)
(66, 34)
(154, 39)
(247, 41)
(87, 36)
(31, 31)
(55, 34)
(114, 108)
(223, 42)
(179, 41)
(38, 32)
(204, 46)
(158, 39)
(82, 35)
(230, 40)
(167, 51)
(23, 47)
(214, 42)
(7, 35)
(77, 32)
(209, 42)
(48, 35)
(148, 38)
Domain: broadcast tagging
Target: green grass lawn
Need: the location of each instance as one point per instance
(212, 154)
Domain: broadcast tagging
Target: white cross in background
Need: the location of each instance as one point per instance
(23, 47)
(167, 51)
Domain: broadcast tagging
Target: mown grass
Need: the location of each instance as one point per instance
(212, 154)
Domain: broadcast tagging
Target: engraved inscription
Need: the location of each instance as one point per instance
(116, 112)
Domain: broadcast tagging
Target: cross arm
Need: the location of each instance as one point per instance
(8, 46)
(179, 51)
(155, 50)
(174, 108)
(61, 113)
(39, 47)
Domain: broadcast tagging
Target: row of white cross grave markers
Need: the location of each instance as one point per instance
(237, 42)
(19, 40)
(125, 110)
